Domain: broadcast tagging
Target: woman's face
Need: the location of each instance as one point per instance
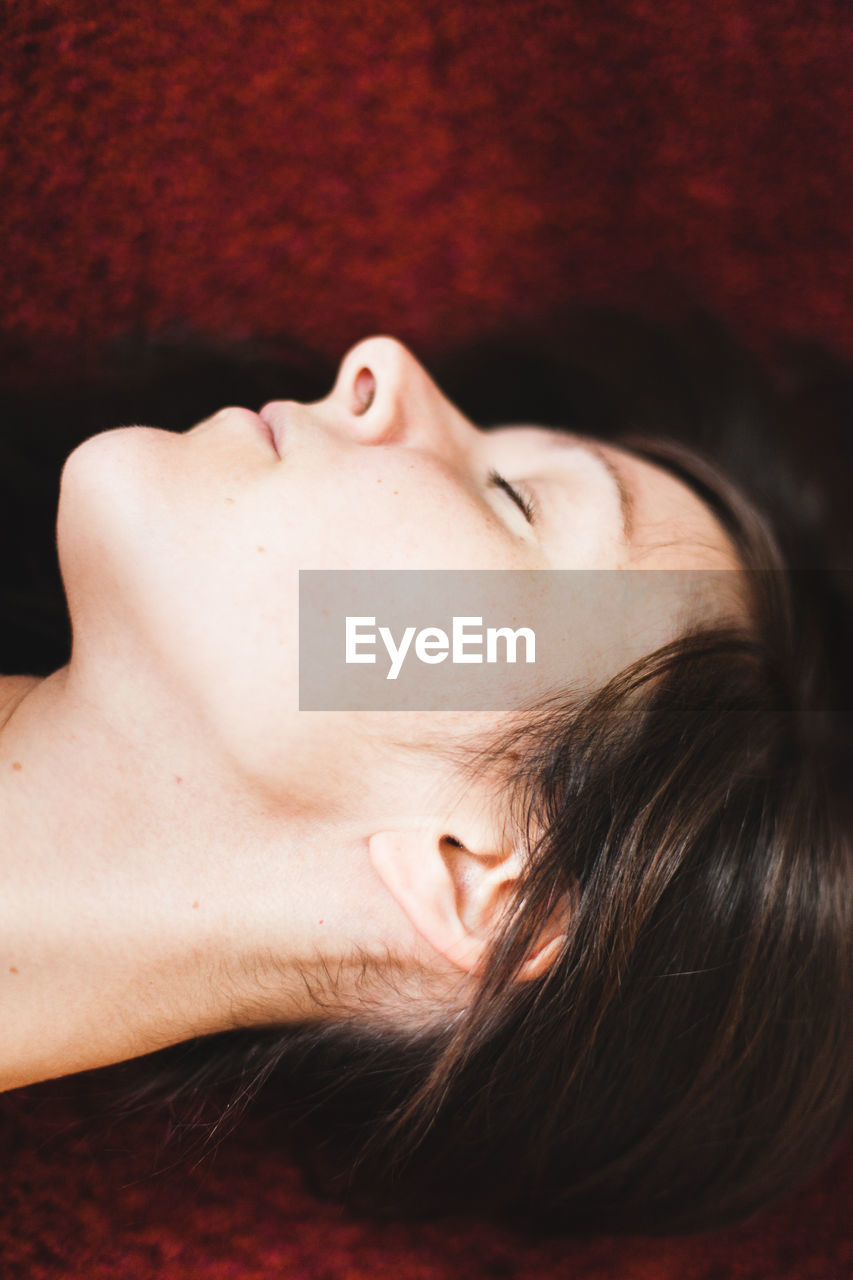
(180, 552)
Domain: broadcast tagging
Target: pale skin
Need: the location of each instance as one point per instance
(181, 847)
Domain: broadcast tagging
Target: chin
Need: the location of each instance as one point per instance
(110, 502)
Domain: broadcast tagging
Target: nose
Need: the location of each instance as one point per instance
(382, 394)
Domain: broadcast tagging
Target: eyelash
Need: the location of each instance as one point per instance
(524, 504)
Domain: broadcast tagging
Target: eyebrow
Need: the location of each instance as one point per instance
(626, 496)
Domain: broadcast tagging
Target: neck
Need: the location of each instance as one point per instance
(147, 897)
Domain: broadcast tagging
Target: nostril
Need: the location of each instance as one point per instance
(365, 390)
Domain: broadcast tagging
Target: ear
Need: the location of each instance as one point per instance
(455, 898)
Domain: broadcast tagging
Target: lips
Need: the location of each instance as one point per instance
(272, 415)
(268, 433)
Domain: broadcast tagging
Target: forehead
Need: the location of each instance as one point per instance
(671, 524)
(658, 522)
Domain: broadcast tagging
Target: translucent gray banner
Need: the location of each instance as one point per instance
(489, 640)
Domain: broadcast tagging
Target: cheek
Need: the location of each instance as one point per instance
(393, 515)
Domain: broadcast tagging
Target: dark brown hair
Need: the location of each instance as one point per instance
(688, 1056)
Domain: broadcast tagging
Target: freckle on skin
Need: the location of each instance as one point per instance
(12, 969)
(195, 905)
(17, 766)
(262, 548)
(231, 500)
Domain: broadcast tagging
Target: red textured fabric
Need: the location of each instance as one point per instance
(433, 169)
(331, 169)
(89, 1208)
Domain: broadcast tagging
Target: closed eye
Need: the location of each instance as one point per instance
(524, 504)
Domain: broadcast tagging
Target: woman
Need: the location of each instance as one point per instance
(588, 966)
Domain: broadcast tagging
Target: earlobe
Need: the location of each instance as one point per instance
(537, 965)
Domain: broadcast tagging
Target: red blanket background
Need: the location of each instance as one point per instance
(435, 170)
